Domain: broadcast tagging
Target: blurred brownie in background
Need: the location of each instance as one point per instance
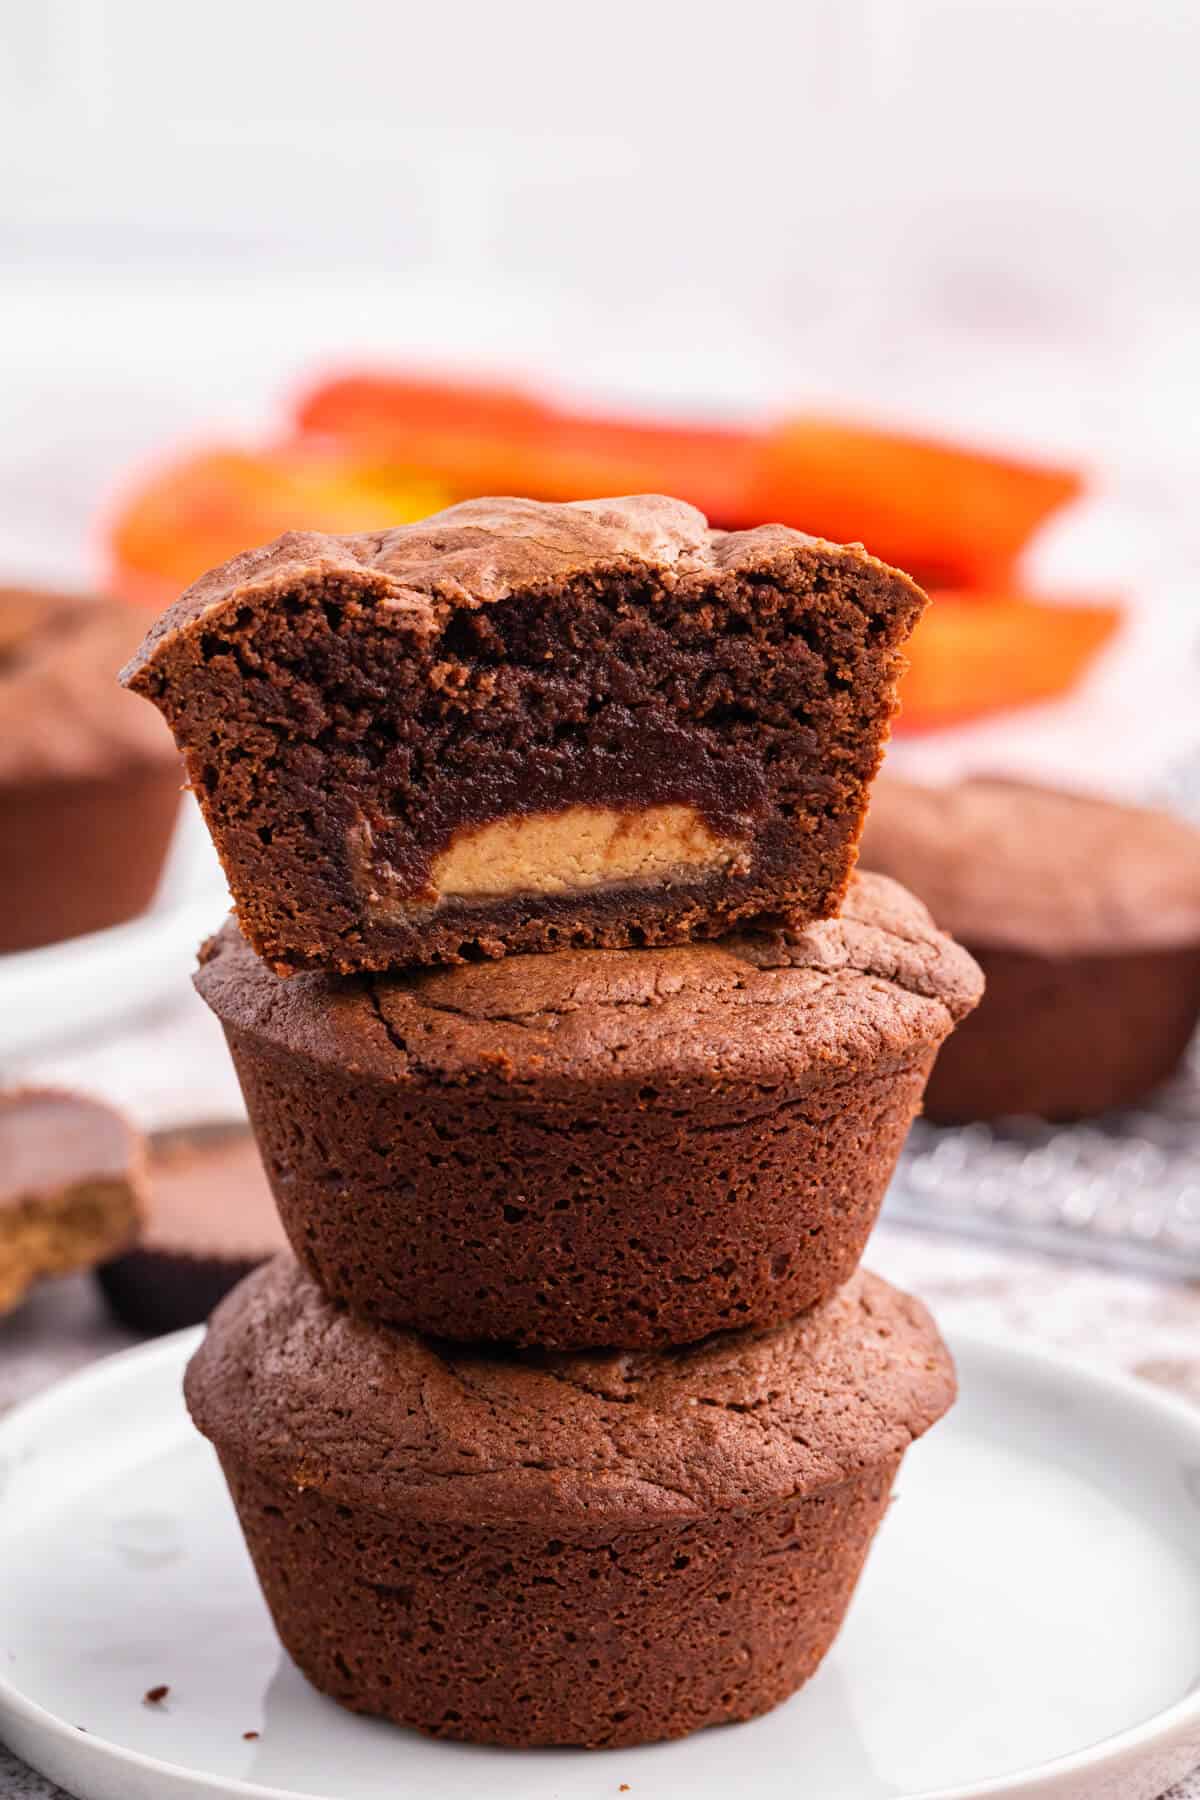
(72, 1186)
(210, 1220)
(1085, 918)
(89, 781)
(525, 727)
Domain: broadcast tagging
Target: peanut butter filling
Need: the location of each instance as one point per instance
(573, 851)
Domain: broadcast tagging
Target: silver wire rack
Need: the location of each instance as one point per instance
(1124, 1189)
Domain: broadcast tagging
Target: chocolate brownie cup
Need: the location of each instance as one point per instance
(72, 1186)
(592, 1550)
(519, 726)
(599, 1147)
(1085, 918)
(210, 1220)
(89, 781)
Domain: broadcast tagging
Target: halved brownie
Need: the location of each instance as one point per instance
(517, 726)
(72, 1186)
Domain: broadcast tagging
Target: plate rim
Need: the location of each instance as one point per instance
(1004, 1348)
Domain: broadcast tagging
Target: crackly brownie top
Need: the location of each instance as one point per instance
(364, 1413)
(482, 551)
(62, 708)
(1005, 864)
(801, 1005)
(51, 1139)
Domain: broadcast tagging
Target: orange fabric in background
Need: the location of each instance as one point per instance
(376, 449)
(949, 515)
(493, 440)
(980, 653)
(198, 511)
(952, 516)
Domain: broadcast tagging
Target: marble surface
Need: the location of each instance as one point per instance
(1146, 1328)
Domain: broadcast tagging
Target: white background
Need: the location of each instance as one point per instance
(973, 212)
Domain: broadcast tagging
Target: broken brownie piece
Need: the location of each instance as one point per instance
(517, 726)
(72, 1186)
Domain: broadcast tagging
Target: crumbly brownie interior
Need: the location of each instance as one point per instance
(71, 1186)
(342, 746)
(55, 1234)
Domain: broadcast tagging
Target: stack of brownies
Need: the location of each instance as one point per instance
(579, 1064)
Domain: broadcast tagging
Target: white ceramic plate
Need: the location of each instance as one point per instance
(88, 983)
(1029, 1623)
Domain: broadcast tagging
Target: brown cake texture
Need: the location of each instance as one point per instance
(598, 1147)
(519, 726)
(536, 1549)
(210, 1219)
(72, 1186)
(1085, 918)
(89, 781)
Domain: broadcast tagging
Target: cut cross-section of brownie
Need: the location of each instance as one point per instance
(517, 726)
